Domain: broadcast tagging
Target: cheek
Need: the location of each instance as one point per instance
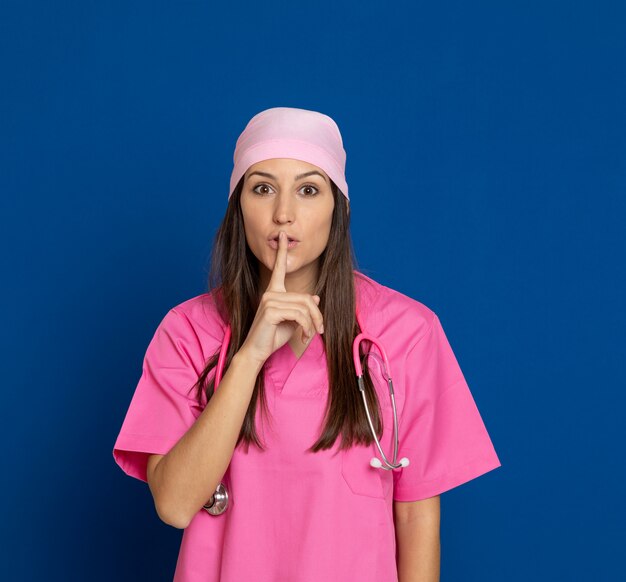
(252, 223)
(324, 228)
(318, 222)
(320, 232)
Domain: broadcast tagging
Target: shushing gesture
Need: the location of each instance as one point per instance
(281, 314)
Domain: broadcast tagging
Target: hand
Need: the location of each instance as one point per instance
(281, 314)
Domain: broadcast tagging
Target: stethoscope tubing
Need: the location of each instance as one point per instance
(386, 372)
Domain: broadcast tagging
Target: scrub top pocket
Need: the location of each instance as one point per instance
(360, 476)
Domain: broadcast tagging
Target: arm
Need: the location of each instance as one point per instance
(417, 539)
(182, 481)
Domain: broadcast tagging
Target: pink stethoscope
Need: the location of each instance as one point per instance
(218, 502)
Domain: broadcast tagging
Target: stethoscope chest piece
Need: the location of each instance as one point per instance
(218, 502)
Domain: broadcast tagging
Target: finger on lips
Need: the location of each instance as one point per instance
(277, 282)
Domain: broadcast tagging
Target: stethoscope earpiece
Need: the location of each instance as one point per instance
(377, 464)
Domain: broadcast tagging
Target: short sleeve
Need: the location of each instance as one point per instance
(440, 430)
(162, 407)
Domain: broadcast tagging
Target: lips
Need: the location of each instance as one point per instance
(290, 238)
(273, 243)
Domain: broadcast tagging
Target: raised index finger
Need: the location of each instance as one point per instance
(277, 281)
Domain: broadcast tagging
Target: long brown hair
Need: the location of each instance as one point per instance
(234, 273)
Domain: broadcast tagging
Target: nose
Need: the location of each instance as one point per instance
(284, 209)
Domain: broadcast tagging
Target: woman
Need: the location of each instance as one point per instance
(286, 431)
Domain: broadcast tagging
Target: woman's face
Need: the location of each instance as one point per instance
(293, 196)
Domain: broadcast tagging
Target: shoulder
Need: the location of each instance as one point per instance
(387, 310)
(195, 323)
(202, 311)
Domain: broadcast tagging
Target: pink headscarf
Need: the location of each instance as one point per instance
(288, 132)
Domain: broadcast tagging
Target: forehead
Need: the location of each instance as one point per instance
(284, 167)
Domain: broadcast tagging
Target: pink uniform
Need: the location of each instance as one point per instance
(305, 517)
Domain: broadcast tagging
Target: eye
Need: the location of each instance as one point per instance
(309, 186)
(259, 186)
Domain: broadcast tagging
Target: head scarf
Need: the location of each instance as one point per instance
(289, 132)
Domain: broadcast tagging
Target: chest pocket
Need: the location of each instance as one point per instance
(360, 476)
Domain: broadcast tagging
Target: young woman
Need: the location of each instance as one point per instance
(271, 473)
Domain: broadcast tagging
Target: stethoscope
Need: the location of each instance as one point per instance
(218, 502)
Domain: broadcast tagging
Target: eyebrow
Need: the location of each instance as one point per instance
(298, 177)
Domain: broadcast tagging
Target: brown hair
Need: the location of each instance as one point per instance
(235, 270)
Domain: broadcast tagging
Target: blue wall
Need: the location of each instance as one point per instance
(487, 170)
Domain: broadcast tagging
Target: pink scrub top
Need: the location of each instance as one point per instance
(299, 516)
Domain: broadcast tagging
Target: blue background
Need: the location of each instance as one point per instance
(487, 167)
